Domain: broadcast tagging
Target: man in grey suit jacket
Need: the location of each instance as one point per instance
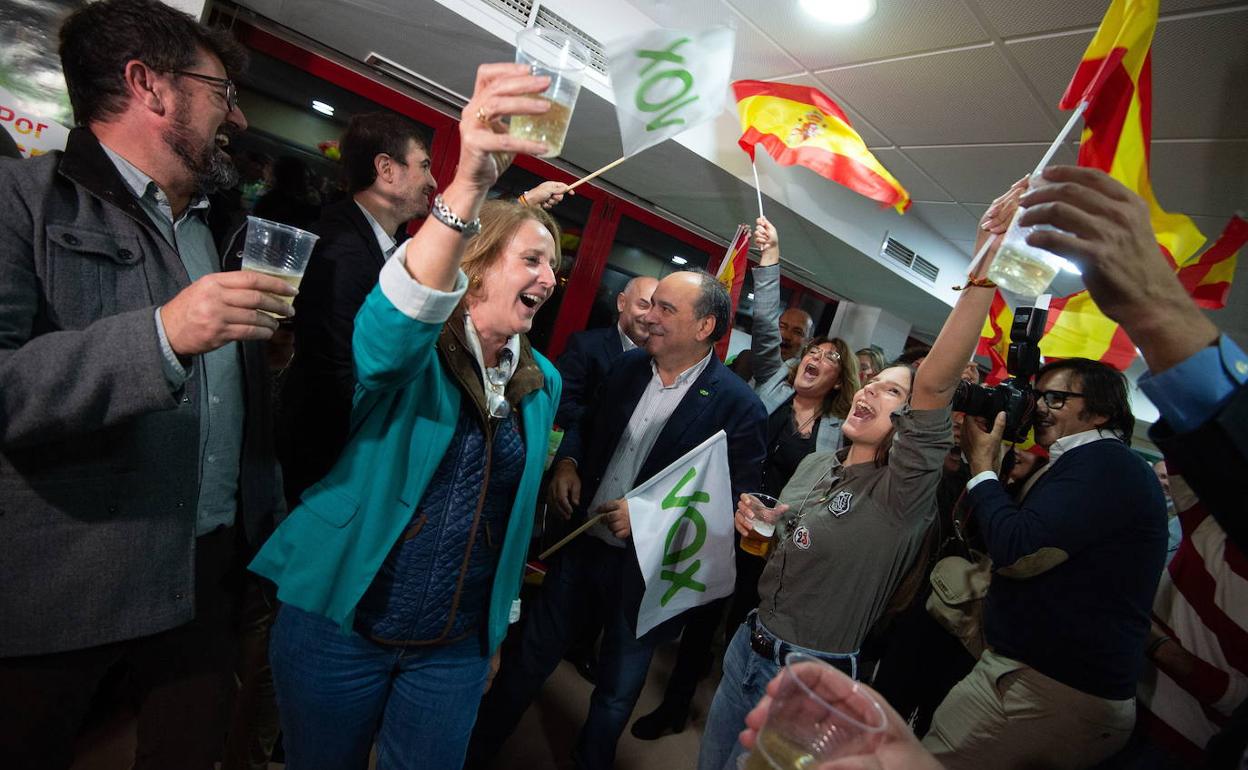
(136, 462)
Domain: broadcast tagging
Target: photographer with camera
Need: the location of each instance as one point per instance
(1076, 563)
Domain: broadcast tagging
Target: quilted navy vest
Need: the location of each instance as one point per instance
(434, 586)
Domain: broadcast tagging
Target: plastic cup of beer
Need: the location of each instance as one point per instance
(758, 541)
(1020, 267)
(817, 716)
(563, 59)
(279, 250)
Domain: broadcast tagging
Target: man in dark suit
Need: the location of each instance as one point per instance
(590, 354)
(658, 404)
(136, 458)
(386, 161)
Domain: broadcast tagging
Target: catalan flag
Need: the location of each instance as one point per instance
(731, 274)
(800, 126)
(1115, 79)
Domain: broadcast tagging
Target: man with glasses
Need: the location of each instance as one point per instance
(1076, 563)
(136, 462)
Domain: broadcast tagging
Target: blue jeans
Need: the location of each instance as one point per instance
(746, 674)
(338, 693)
(587, 574)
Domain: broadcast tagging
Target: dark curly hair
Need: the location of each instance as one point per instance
(1104, 391)
(98, 39)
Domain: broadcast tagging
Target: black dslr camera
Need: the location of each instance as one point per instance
(1015, 396)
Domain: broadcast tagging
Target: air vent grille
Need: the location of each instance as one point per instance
(551, 20)
(925, 268)
(517, 10)
(898, 252)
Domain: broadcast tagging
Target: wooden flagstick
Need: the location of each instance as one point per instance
(574, 533)
(758, 190)
(595, 175)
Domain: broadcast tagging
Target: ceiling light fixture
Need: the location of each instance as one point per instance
(1071, 267)
(679, 261)
(840, 11)
(322, 107)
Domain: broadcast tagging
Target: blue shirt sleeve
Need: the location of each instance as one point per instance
(1190, 393)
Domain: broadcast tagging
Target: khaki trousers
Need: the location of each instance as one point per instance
(1005, 715)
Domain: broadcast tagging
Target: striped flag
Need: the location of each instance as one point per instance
(1115, 78)
(800, 126)
(731, 274)
(1208, 278)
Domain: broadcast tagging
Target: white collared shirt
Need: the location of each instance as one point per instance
(625, 341)
(1056, 450)
(384, 239)
(649, 417)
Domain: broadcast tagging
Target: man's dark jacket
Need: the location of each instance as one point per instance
(99, 455)
(585, 365)
(315, 410)
(717, 400)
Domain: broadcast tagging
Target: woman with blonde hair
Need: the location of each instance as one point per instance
(398, 571)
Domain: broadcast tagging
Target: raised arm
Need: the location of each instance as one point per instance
(940, 372)
(765, 331)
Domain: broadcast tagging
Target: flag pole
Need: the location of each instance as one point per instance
(758, 190)
(544, 555)
(597, 173)
(1070, 124)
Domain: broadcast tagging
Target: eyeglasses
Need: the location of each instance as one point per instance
(231, 90)
(819, 354)
(1056, 399)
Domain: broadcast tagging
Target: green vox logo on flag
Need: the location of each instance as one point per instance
(683, 578)
(673, 81)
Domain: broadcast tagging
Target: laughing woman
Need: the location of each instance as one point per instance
(398, 571)
(855, 521)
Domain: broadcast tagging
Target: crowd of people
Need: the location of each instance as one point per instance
(339, 562)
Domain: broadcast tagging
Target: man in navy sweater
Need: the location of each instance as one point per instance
(1076, 563)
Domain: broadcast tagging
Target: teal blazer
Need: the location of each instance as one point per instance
(324, 556)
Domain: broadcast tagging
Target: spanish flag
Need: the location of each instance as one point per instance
(800, 126)
(1115, 79)
(731, 274)
(1208, 278)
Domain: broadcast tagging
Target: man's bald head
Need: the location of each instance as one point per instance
(795, 327)
(632, 304)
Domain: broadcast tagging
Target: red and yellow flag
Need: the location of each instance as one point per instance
(800, 126)
(1208, 278)
(731, 274)
(1115, 79)
(1075, 328)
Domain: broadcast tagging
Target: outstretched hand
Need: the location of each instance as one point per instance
(486, 149)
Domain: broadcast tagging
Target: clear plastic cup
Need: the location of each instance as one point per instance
(758, 541)
(1020, 267)
(279, 250)
(806, 727)
(563, 59)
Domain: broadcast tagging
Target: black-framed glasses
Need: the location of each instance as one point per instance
(231, 90)
(1056, 399)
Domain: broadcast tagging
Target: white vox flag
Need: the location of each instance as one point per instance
(682, 532)
(667, 81)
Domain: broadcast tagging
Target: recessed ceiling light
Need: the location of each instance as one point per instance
(679, 261)
(840, 11)
(322, 107)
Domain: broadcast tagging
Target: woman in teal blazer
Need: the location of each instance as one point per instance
(398, 572)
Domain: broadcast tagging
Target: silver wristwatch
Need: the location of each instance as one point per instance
(443, 214)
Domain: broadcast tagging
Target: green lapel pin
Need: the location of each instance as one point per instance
(704, 391)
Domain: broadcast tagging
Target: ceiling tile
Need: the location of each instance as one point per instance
(898, 28)
(948, 219)
(978, 174)
(869, 135)
(917, 183)
(1197, 62)
(1010, 18)
(957, 97)
(1201, 178)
